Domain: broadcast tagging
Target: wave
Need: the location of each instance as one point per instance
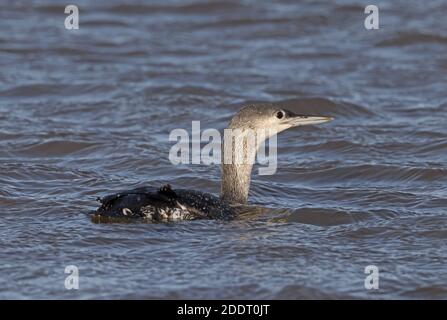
(369, 173)
(413, 38)
(325, 217)
(57, 148)
(39, 89)
(204, 7)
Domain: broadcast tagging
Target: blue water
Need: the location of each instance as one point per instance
(87, 112)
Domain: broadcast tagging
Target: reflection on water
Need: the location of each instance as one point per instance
(88, 112)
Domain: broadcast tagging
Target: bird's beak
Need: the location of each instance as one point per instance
(295, 120)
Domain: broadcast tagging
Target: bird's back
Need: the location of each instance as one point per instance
(164, 204)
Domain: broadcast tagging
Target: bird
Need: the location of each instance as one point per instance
(167, 204)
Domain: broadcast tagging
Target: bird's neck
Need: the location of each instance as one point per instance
(235, 182)
(236, 165)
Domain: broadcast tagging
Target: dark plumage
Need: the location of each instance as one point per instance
(162, 204)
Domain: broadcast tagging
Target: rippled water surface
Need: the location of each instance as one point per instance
(87, 112)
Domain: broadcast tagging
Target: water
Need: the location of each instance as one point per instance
(88, 112)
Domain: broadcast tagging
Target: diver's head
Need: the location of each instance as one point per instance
(272, 117)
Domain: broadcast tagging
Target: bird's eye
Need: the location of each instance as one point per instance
(280, 114)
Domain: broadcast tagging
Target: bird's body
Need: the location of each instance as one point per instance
(166, 204)
(163, 204)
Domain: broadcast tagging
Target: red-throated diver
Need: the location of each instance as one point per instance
(167, 204)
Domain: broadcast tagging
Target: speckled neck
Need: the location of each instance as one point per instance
(235, 175)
